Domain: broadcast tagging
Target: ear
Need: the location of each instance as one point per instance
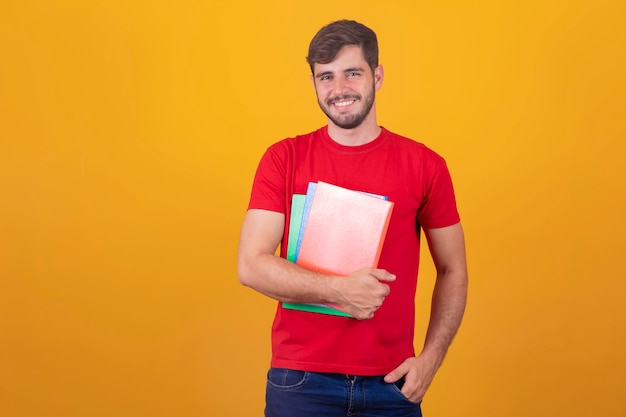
(379, 74)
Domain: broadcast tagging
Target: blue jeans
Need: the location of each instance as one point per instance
(309, 394)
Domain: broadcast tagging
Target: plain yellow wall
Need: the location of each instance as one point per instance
(129, 134)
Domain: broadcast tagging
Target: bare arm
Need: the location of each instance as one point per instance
(447, 248)
(360, 294)
(449, 296)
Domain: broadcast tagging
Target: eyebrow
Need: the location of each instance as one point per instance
(356, 69)
(323, 74)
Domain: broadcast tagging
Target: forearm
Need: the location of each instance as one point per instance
(447, 308)
(260, 269)
(285, 281)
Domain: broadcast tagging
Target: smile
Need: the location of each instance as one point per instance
(344, 103)
(343, 100)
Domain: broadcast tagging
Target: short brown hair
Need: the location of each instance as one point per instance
(326, 43)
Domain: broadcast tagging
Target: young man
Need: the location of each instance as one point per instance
(324, 365)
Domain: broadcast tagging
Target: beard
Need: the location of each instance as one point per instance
(350, 121)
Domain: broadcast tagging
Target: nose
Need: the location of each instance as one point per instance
(341, 85)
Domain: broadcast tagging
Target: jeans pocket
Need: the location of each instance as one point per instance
(286, 379)
(397, 387)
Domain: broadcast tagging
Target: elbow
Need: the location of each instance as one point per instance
(243, 273)
(243, 277)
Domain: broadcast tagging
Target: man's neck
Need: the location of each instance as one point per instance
(360, 135)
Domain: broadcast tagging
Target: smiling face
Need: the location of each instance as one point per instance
(346, 88)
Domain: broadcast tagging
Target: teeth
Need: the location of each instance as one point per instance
(343, 103)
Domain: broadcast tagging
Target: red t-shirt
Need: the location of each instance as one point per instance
(418, 182)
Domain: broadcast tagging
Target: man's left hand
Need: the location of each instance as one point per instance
(418, 373)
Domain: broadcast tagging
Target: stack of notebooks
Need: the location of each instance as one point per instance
(336, 231)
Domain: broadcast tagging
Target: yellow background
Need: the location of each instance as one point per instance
(129, 134)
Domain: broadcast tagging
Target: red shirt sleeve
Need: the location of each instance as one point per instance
(439, 205)
(269, 185)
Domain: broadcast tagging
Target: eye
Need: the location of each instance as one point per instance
(353, 74)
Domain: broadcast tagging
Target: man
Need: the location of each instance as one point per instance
(324, 365)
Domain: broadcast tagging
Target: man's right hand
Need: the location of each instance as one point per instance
(362, 293)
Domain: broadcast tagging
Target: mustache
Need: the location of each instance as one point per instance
(342, 98)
